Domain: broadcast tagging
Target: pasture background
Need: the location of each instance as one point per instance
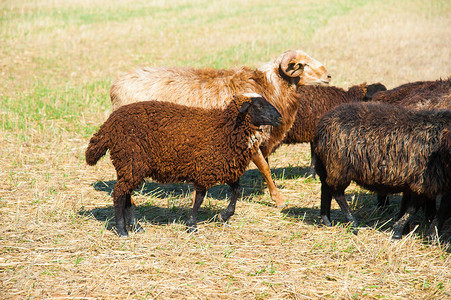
(57, 62)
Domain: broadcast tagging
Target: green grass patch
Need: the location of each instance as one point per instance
(43, 104)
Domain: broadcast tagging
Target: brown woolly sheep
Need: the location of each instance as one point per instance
(314, 102)
(419, 95)
(175, 143)
(276, 80)
(384, 148)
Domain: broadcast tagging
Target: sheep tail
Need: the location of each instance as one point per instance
(98, 146)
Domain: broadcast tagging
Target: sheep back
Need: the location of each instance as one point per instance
(206, 88)
(384, 148)
(314, 102)
(419, 95)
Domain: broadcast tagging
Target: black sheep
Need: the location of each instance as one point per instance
(417, 95)
(444, 211)
(176, 143)
(384, 148)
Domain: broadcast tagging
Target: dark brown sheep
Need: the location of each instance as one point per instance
(314, 102)
(411, 202)
(384, 148)
(444, 211)
(276, 81)
(174, 143)
(419, 95)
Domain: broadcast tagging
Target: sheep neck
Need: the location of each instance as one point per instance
(239, 132)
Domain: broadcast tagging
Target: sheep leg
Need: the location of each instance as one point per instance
(409, 206)
(405, 202)
(434, 229)
(444, 212)
(311, 172)
(429, 208)
(326, 200)
(119, 214)
(341, 200)
(192, 221)
(263, 167)
(399, 226)
(130, 213)
(122, 200)
(230, 210)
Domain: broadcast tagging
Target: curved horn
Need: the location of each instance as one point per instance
(291, 71)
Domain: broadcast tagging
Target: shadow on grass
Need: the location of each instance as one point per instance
(174, 212)
(252, 184)
(152, 214)
(368, 215)
(363, 205)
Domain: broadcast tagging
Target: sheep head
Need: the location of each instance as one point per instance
(373, 89)
(259, 110)
(303, 69)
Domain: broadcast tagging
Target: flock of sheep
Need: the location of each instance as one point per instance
(204, 126)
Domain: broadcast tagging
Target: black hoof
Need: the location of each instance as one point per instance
(326, 221)
(311, 173)
(407, 229)
(396, 236)
(137, 228)
(191, 225)
(192, 228)
(224, 216)
(432, 235)
(122, 233)
(354, 227)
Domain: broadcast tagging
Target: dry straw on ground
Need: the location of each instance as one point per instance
(57, 241)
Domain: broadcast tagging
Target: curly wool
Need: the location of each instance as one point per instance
(175, 143)
(384, 148)
(314, 102)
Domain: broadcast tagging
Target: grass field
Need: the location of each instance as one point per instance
(57, 61)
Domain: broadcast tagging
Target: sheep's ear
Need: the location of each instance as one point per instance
(244, 108)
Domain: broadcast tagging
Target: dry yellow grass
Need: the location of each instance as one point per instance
(57, 61)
